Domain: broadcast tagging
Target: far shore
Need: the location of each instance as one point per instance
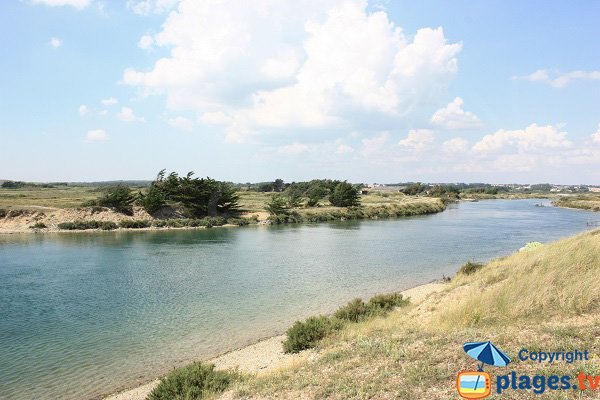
(267, 354)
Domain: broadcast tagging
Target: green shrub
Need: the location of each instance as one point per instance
(192, 382)
(344, 195)
(354, 311)
(3, 213)
(470, 268)
(79, 225)
(134, 224)
(159, 223)
(108, 225)
(382, 303)
(217, 221)
(38, 225)
(306, 334)
(241, 221)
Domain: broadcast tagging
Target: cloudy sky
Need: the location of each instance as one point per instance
(380, 91)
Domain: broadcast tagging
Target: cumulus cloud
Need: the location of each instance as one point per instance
(78, 4)
(454, 117)
(181, 123)
(146, 7)
(596, 136)
(128, 115)
(532, 139)
(374, 144)
(55, 42)
(96, 135)
(560, 79)
(455, 146)
(111, 101)
(293, 149)
(342, 148)
(146, 42)
(83, 110)
(284, 64)
(417, 140)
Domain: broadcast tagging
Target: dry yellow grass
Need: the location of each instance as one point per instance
(546, 299)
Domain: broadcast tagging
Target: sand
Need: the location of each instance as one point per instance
(267, 355)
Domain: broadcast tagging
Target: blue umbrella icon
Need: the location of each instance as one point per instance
(487, 353)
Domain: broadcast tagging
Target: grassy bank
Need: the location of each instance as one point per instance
(52, 209)
(584, 202)
(543, 299)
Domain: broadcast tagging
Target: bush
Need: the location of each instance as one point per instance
(382, 303)
(3, 213)
(355, 311)
(159, 223)
(153, 200)
(470, 268)
(38, 225)
(79, 225)
(134, 224)
(108, 225)
(306, 334)
(194, 381)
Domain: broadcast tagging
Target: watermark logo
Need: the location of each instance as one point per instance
(478, 384)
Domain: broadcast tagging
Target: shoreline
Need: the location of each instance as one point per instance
(265, 355)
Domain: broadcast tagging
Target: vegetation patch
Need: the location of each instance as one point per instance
(307, 334)
(193, 382)
(38, 225)
(470, 268)
(134, 224)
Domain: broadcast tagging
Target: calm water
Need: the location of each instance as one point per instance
(84, 314)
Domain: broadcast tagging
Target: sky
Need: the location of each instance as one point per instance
(368, 91)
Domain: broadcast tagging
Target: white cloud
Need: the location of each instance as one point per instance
(83, 110)
(181, 123)
(374, 144)
(532, 139)
(103, 113)
(55, 42)
(293, 149)
(455, 146)
(454, 117)
(146, 7)
(417, 140)
(596, 136)
(560, 79)
(342, 148)
(96, 135)
(111, 101)
(146, 42)
(78, 4)
(128, 115)
(284, 65)
(214, 118)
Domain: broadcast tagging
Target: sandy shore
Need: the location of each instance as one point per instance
(266, 355)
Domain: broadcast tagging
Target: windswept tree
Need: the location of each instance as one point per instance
(344, 195)
(119, 197)
(199, 197)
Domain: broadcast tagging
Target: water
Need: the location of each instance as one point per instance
(83, 314)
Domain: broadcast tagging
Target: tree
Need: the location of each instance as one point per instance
(277, 205)
(344, 195)
(119, 197)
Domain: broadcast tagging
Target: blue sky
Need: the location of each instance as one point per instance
(385, 91)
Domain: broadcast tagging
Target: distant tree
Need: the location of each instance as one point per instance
(278, 185)
(344, 195)
(277, 205)
(13, 184)
(119, 197)
(154, 199)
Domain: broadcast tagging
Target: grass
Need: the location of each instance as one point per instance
(547, 298)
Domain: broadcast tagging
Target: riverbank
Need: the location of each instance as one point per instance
(529, 300)
(267, 356)
(41, 219)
